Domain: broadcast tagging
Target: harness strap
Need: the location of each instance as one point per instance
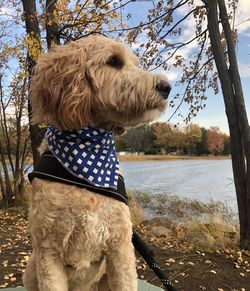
(49, 168)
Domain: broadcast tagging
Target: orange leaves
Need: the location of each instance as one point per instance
(215, 140)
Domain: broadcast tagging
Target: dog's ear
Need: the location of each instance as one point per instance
(60, 90)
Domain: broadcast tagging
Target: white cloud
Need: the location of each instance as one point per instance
(6, 12)
(242, 17)
(220, 121)
(244, 70)
(171, 75)
(189, 29)
(242, 20)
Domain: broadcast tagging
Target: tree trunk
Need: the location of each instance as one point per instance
(2, 188)
(33, 30)
(52, 36)
(234, 104)
(5, 182)
(240, 110)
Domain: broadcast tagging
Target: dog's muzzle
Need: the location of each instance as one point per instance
(163, 88)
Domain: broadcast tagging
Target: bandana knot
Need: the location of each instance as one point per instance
(88, 154)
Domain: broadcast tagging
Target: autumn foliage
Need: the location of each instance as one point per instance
(162, 137)
(215, 140)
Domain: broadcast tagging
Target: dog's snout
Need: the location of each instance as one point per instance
(163, 88)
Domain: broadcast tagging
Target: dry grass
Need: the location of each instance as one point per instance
(169, 158)
(189, 223)
(211, 235)
(136, 211)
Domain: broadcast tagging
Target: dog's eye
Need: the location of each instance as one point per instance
(115, 62)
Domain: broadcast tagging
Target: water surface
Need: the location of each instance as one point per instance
(204, 180)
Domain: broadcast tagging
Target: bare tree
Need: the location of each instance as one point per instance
(14, 139)
(227, 66)
(34, 49)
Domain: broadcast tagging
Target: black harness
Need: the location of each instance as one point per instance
(49, 168)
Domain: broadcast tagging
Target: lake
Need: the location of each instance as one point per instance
(204, 180)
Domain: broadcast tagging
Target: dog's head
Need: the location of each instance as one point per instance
(95, 82)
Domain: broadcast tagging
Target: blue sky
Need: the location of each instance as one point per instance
(214, 113)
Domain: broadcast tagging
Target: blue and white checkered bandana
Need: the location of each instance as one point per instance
(88, 154)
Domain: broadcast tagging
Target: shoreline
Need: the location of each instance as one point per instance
(128, 158)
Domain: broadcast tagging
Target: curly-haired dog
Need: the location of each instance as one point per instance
(82, 240)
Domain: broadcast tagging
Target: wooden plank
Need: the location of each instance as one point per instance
(142, 286)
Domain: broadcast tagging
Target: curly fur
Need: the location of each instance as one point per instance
(82, 240)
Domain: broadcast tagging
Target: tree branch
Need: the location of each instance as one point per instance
(180, 46)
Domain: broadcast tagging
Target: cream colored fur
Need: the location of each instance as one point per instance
(82, 240)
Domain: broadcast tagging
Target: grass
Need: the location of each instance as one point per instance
(189, 223)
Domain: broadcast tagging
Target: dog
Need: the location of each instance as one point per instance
(81, 239)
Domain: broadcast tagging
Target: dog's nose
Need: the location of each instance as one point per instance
(163, 88)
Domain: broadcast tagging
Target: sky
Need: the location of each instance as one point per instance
(214, 113)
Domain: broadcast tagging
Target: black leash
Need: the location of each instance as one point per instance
(148, 255)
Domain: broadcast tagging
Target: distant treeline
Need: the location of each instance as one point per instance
(161, 137)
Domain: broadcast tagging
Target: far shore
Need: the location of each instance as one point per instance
(131, 158)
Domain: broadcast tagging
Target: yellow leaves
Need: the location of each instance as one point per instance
(22, 253)
(140, 264)
(239, 257)
(169, 261)
(6, 51)
(23, 75)
(10, 277)
(76, 18)
(49, 22)
(25, 259)
(62, 5)
(42, 125)
(15, 247)
(34, 45)
(5, 263)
